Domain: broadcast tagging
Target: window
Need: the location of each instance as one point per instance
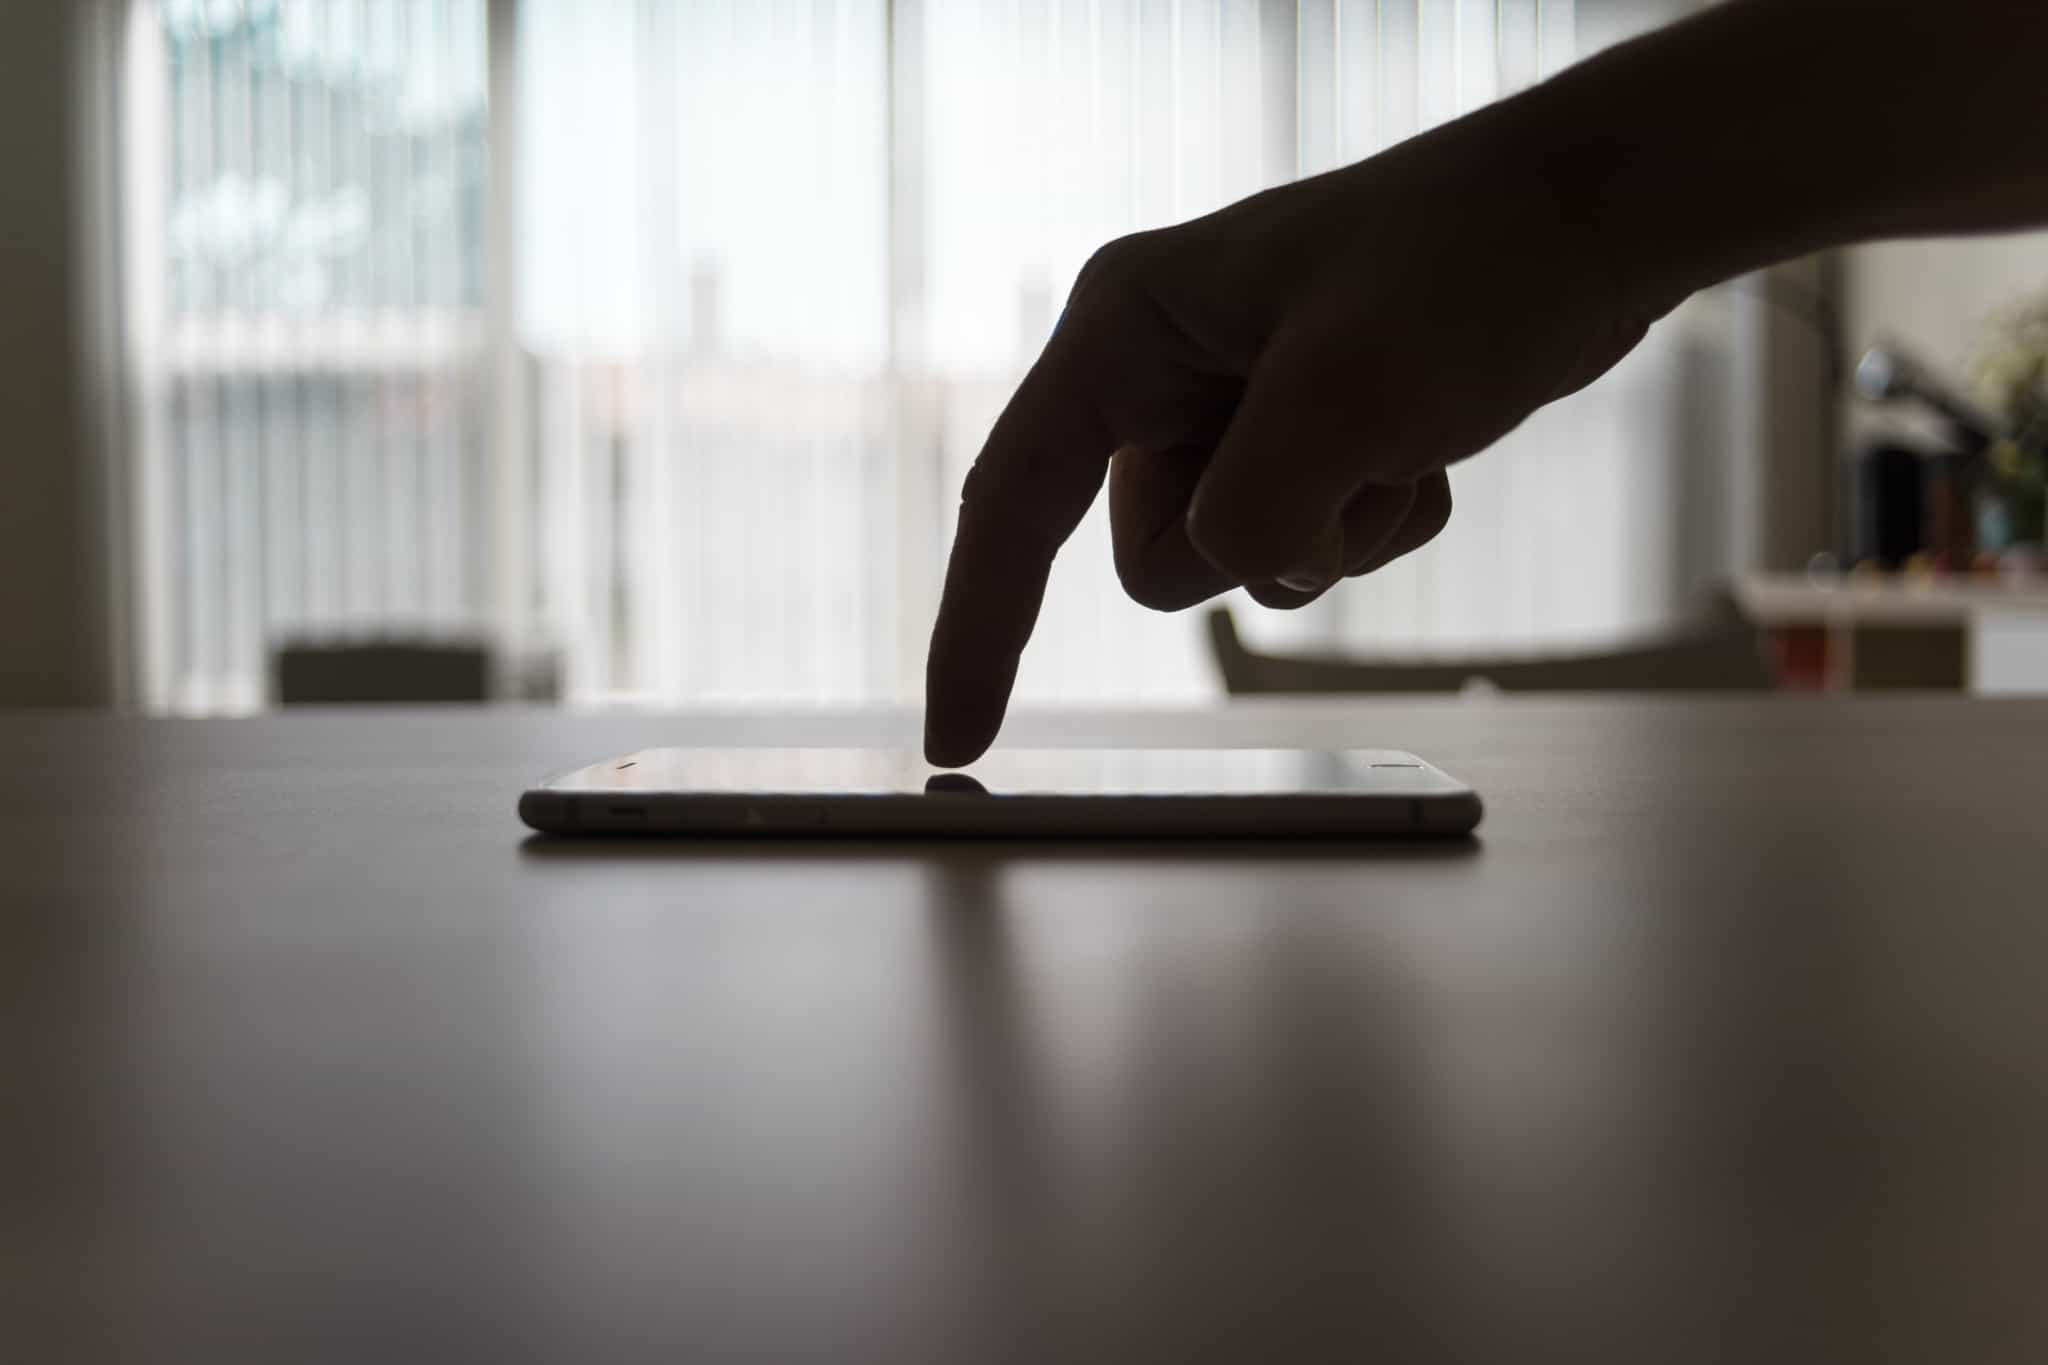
(770, 269)
(311, 305)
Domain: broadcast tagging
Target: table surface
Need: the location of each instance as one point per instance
(1724, 1042)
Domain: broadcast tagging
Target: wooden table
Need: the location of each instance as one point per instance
(1727, 1041)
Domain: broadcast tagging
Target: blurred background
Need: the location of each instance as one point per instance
(632, 351)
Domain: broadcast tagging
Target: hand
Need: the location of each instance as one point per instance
(1275, 392)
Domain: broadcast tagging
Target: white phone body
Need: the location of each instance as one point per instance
(1049, 793)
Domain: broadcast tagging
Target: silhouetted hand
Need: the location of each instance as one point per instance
(1275, 392)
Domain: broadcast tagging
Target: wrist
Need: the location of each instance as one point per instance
(1766, 129)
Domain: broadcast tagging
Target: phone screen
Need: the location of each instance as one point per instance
(1055, 772)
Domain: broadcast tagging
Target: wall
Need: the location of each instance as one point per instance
(55, 644)
(1934, 296)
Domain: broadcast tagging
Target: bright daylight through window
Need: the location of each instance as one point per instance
(649, 341)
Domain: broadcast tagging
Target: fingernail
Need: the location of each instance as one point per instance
(1302, 582)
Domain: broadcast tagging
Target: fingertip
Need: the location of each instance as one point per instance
(967, 692)
(1279, 597)
(1427, 515)
(952, 749)
(986, 614)
(1158, 567)
(1253, 538)
(1232, 538)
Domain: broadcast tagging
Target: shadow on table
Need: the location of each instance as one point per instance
(783, 848)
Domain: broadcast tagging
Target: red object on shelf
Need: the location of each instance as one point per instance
(1798, 657)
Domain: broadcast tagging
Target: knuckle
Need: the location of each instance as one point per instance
(1144, 580)
(1116, 262)
(1117, 337)
(977, 498)
(1237, 541)
(1432, 510)
(1129, 558)
(1411, 460)
(1113, 293)
(1148, 591)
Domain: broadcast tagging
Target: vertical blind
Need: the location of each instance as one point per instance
(777, 264)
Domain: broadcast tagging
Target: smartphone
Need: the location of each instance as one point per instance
(1051, 793)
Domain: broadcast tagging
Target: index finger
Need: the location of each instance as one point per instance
(1034, 480)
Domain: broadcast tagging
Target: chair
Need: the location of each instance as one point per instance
(1719, 654)
(313, 672)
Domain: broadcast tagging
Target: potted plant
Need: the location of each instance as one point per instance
(2011, 375)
